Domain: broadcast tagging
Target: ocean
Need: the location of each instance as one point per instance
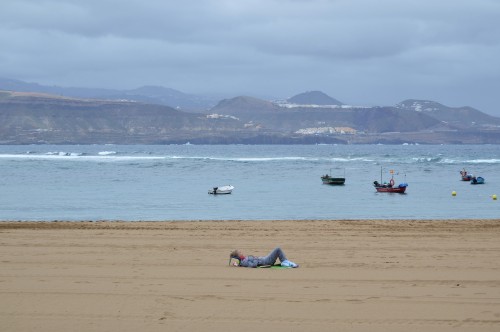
(171, 182)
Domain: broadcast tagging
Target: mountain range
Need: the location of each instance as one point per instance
(32, 113)
(147, 94)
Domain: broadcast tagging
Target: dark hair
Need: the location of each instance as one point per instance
(234, 254)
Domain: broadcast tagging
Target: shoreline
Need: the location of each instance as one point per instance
(159, 224)
(356, 275)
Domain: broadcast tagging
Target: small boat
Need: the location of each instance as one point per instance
(477, 180)
(334, 181)
(465, 176)
(221, 190)
(390, 187)
(327, 179)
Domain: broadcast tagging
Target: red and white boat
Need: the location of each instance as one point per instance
(390, 187)
(465, 176)
(387, 188)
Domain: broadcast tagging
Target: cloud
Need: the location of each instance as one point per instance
(359, 51)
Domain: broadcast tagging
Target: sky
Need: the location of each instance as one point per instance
(361, 52)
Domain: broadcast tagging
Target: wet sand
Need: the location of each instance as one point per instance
(366, 275)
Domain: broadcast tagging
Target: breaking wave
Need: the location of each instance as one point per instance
(78, 156)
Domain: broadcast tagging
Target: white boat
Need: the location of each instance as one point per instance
(221, 190)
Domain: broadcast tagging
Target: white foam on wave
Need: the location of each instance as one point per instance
(271, 159)
(113, 156)
(449, 161)
(484, 161)
(426, 159)
(106, 153)
(470, 161)
(244, 159)
(77, 156)
(61, 153)
(347, 159)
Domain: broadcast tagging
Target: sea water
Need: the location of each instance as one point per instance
(171, 182)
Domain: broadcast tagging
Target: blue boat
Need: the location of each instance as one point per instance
(477, 180)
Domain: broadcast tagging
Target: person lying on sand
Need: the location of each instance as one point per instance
(254, 261)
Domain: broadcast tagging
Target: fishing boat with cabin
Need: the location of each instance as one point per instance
(390, 187)
(335, 181)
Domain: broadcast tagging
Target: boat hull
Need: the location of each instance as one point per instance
(465, 176)
(398, 190)
(478, 180)
(224, 190)
(333, 181)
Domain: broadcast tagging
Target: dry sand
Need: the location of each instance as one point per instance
(370, 275)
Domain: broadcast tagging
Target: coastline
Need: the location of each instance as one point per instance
(168, 224)
(356, 275)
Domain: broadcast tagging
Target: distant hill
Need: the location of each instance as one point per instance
(313, 98)
(244, 106)
(163, 96)
(458, 117)
(147, 94)
(41, 118)
(388, 125)
(21, 86)
(38, 118)
(275, 117)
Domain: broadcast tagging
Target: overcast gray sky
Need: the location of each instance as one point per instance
(362, 52)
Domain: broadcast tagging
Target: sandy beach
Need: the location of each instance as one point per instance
(354, 275)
